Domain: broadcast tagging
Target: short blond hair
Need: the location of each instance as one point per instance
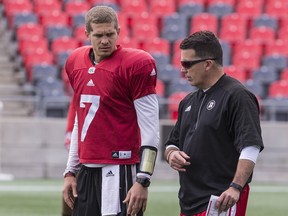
(100, 14)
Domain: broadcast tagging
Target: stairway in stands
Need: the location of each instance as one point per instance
(11, 93)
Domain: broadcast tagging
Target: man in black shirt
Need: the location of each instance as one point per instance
(217, 137)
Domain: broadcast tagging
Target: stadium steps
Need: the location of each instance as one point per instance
(11, 94)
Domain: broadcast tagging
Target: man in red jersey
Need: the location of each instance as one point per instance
(115, 137)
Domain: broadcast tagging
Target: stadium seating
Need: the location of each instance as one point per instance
(253, 34)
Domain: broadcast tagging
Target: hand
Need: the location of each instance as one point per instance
(227, 199)
(178, 160)
(136, 199)
(70, 190)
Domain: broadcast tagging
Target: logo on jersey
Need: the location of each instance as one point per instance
(188, 109)
(91, 70)
(110, 173)
(153, 72)
(122, 154)
(211, 105)
(90, 83)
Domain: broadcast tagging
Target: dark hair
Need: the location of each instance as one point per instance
(101, 14)
(205, 44)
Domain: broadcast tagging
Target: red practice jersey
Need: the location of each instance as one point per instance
(108, 132)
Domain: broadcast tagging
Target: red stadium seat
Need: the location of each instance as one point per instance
(145, 31)
(128, 42)
(238, 73)
(277, 8)
(284, 75)
(204, 21)
(246, 61)
(278, 46)
(54, 18)
(248, 45)
(17, 6)
(28, 29)
(176, 59)
(160, 88)
(64, 44)
(157, 45)
(36, 58)
(174, 100)
(249, 8)
(133, 7)
(262, 34)
(144, 18)
(162, 7)
(235, 20)
(79, 34)
(278, 89)
(47, 7)
(230, 2)
(283, 32)
(76, 7)
(233, 34)
(34, 44)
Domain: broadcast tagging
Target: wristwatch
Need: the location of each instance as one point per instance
(236, 186)
(145, 182)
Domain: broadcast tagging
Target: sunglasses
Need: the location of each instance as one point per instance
(189, 64)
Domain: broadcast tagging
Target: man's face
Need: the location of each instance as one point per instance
(195, 69)
(103, 38)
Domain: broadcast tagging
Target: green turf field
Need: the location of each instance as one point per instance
(43, 198)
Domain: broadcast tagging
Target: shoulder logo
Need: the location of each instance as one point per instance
(153, 72)
(188, 109)
(91, 70)
(90, 83)
(211, 105)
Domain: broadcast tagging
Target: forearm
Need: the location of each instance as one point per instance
(147, 111)
(244, 170)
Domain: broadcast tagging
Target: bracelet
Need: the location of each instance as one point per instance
(236, 186)
(169, 154)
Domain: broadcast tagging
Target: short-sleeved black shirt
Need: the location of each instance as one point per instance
(212, 128)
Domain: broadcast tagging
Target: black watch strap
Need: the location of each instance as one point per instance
(236, 186)
(145, 182)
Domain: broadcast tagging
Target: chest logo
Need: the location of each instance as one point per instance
(91, 70)
(211, 105)
(188, 109)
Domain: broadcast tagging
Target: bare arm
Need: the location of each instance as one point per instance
(231, 196)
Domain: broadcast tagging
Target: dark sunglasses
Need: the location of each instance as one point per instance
(189, 64)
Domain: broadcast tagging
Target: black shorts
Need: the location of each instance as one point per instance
(89, 186)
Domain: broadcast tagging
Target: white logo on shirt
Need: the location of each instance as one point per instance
(188, 109)
(91, 70)
(90, 83)
(211, 105)
(153, 72)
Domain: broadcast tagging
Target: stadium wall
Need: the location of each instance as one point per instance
(33, 148)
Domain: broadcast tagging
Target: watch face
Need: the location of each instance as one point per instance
(145, 182)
